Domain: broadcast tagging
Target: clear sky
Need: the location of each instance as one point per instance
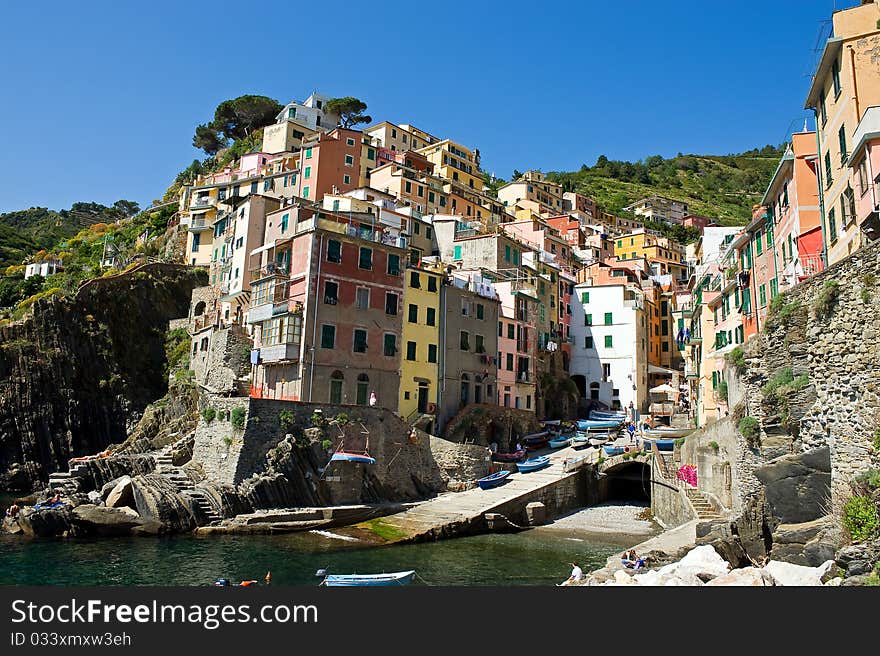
(99, 99)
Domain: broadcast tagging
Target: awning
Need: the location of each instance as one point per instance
(662, 389)
(654, 369)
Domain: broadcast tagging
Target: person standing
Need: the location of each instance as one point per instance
(373, 398)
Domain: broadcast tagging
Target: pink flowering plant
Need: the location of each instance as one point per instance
(688, 474)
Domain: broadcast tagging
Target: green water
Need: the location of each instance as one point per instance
(535, 557)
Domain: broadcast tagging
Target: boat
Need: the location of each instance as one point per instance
(600, 415)
(662, 444)
(514, 456)
(493, 480)
(390, 578)
(598, 441)
(535, 438)
(550, 423)
(616, 450)
(668, 432)
(352, 457)
(533, 464)
(593, 424)
(559, 442)
(581, 438)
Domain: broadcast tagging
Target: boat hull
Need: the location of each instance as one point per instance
(533, 464)
(591, 424)
(662, 444)
(558, 444)
(514, 456)
(342, 456)
(668, 432)
(493, 480)
(368, 580)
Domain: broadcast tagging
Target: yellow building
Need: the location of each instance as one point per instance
(420, 345)
(532, 186)
(456, 163)
(664, 256)
(198, 209)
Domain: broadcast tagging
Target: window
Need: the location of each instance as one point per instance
(360, 340)
(848, 205)
(585, 297)
(410, 350)
(334, 251)
(307, 173)
(835, 77)
(823, 113)
(336, 387)
(432, 284)
(759, 242)
(456, 253)
(609, 341)
(197, 238)
(346, 179)
(828, 178)
(414, 281)
(841, 139)
(349, 142)
(480, 311)
(510, 331)
(432, 353)
(464, 343)
(606, 372)
(832, 226)
(349, 160)
(393, 264)
(331, 292)
(516, 257)
(430, 316)
(363, 384)
(305, 192)
(608, 319)
(509, 362)
(588, 342)
(284, 220)
(507, 253)
(389, 346)
(588, 319)
(774, 289)
(328, 336)
(413, 313)
(390, 303)
(407, 187)
(371, 154)
(478, 344)
(762, 295)
(362, 298)
(365, 261)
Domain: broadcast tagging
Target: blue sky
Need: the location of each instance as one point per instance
(100, 98)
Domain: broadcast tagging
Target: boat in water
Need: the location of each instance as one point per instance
(352, 457)
(513, 456)
(533, 464)
(368, 580)
(493, 480)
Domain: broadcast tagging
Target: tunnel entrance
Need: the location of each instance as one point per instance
(630, 481)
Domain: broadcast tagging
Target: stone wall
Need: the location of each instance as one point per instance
(668, 503)
(485, 423)
(836, 346)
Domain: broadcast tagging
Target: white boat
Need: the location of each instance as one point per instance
(668, 432)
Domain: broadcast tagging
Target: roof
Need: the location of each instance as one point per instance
(787, 160)
(829, 55)
(868, 129)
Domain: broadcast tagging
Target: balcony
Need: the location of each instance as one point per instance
(202, 202)
(691, 373)
(279, 353)
(199, 224)
(269, 270)
(524, 377)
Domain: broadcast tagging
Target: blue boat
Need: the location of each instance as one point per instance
(493, 480)
(662, 445)
(559, 442)
(612, 450)
(593, 424)
(352, 457)
(391, 578)
(533, 464)
(601, 415)
(580, 439)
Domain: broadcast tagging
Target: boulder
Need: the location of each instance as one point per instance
(161, 508)
(94, 497)
(45, 522)
(789, 574)
(858, 559)
(101, 520)
(797, 487)
(121, 495)
(622, 578)
(703, 561)
(747, 576)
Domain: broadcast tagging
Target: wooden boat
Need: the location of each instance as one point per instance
(611, 450)
(559, 442)
(533, 464)
(391, 578)
(536, 438)
(594, 425)
(514, 456)
(666, 444)
(598, 441)
(493, 480)
(601, 415)
(352, 457)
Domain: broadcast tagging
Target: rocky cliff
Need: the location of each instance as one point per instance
(76, 376)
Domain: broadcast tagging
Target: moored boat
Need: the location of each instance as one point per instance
(533, 464)
(600, 415)
(598, 441)
(612, 450)
(493, 480)
(580, 439)
(559, 442)
(663, 444)
(664, 432)
(513, 456)
(594, 425)
(352, 457)
(390, 578)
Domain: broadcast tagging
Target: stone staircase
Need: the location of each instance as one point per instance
(184, 484)
(66, 482)
(701, 505)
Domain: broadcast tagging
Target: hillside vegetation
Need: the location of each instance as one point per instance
(723, 187)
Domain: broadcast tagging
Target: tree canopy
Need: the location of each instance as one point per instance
(234, 120)
(350, 110)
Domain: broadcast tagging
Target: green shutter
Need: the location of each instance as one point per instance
(609, 341)
(456, 253)
(585, 297)
(608, 319)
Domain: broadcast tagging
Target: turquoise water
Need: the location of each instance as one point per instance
(535, 557)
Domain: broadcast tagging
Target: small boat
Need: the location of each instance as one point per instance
(352, 457)
(600, 415)
(668, 432)
(580, 438)
(536, 438)
(662, 444)
(391, 578)
(559, 442)
(593, 424)
(533, 464)
(611, 450)
(550, 423)
(598, 441)
(514, 456)
(493, 480)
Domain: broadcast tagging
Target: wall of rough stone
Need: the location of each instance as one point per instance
(838, 350)
(218, 444)
(225, 367)
(668, 503)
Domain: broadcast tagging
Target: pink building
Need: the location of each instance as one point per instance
(865, 166)
(517, 342)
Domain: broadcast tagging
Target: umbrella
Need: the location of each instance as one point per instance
(661, 389)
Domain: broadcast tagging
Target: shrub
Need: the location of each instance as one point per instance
(227, 440)
(737, 357)
(781, 312)
(714, 446)
(748, 426)
(782, 384)
(865, 295)
(869, 478)
(877, 440)
(679, 441)
(286, 418)
(208, 414)
(860, 518)
(326, 444)
(342, 418)
(317, 418)
(237, 417)
(722, 390)
(824, 303)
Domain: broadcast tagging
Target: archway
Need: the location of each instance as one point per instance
(629, 481)
(581, 383)
(199, 309)
(336, 381)
(363, 385)
(594, 391)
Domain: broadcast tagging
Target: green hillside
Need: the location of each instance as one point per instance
(723, 187)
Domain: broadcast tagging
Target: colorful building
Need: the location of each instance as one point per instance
(864, 164)
(534, 187)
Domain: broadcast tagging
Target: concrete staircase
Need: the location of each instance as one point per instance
(701, 505)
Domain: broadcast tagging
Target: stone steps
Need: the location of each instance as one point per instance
(701, 505)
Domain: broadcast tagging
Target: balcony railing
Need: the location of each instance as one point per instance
(811, 265)
(268, 270)
(202, 202)
(522, 345)
(524, 377)
(198, 224)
